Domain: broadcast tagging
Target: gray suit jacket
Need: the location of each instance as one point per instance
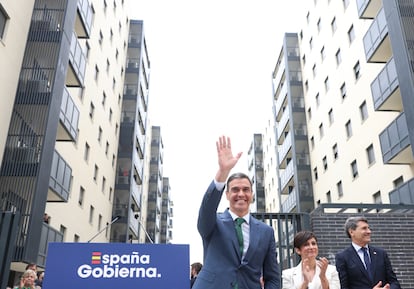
(352, 272)
(223, 266)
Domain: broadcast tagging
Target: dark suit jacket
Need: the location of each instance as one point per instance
(353, 275)
(223, 266)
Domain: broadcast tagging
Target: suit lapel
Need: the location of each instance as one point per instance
(356, 260)
(253, 238)
(229, 223)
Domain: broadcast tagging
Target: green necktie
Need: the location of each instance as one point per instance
(239, 232)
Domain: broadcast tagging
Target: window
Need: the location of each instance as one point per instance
(106, 148)
(321, 132)
(76, 238)
(363, 110)
(108, 64)
(377, 198)
(311, 43)
(317, 99)
(62, 230)
(357, 70)
(343, 90)
(333, 25)
(330, 116)
(100, 135)
(315, 173)
(86, 153)
(91, 110)
(370, 154)
(335, 151)
(325, 163)
(307, 17)
(314, 70)
(110, 115)
(3, 20)
(354, 169)
(323, 53)
(81, 196)
(338, 56)
(312, 141)
(319, 25)
(103, 98)
(348, 128)
(306, 85)
(100, 37)
(351, 34)
(99, 222)
(346, 3)
(398, 181)
(96, 72)
(339, 189)
(91, 211)
(95, 173)
(326, 82)
(103, 184)
(328, 197)
(309, 113)
(304, 59)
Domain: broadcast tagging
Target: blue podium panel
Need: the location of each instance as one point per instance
(116, 266)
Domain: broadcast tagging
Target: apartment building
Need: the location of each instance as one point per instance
(74, 164)
(155, 189)
(292, 150)
(357, 80)
(256, 173)
(272, 201)
(134, 126)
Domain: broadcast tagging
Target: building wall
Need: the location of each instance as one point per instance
(12, 46)
(345, 109)
(269, 168)
(109, 58)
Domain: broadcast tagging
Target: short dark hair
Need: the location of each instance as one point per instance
(197, 266)
(237, 176)
(302, 237)
(31, 265)
(352, 223)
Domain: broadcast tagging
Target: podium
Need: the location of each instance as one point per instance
(116, 265)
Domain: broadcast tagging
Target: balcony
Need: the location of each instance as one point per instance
(385, 89)
(60, 180)
(77, 60)
(404, 194)
(376, 41)
(69, 118)
(284, 151)
(286, 176)
(368, 9)
(83, 22)
(395, 142)
(48, 235)
(290, 203)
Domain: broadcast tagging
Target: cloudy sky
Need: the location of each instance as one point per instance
(211, 67)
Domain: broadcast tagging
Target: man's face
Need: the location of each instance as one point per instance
(240, 195)
(362, 234)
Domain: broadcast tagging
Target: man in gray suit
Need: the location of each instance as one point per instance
(364, 270)
(232, 262)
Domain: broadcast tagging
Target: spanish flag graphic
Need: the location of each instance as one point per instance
(96, 258)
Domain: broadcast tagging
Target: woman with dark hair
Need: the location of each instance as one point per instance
(312, 272)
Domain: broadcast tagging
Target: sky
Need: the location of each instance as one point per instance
(211, 75)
